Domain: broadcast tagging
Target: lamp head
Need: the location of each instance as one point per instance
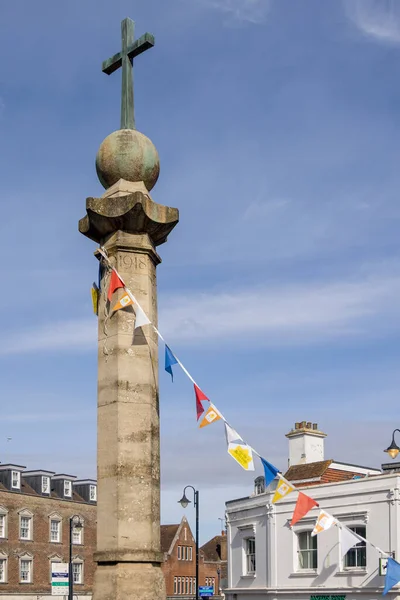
(184, 501)
(393, 450)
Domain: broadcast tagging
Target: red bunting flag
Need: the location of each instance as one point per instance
(199, 397)
(115, 283)
(303, 505)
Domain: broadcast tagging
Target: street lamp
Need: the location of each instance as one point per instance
(184, 501)
(393, 449)
(74, 522)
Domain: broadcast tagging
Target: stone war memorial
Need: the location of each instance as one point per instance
(129, 225)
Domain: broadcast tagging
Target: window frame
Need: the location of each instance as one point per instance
(360, 548)
(25, 514)
(55, 518)
(93, 492)
(4, 559)
(248, 571)
(67, 487)
(4, 515)
(28, 558)
(75, 562)
(18, 480)
(310, 550)
(46, 479)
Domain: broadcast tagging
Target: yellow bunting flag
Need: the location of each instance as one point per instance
(212, 415)
(95, 299)
(283, 489)
(126, 300)
(243, 454)
(324, 522)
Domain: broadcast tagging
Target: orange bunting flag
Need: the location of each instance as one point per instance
(199, 397)
(115, 283)
(126, 300)
(212, 415)
(303, 505)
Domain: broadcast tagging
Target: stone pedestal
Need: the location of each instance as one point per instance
(129, 225)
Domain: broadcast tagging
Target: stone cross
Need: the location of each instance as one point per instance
(130, 49)
(129, 225)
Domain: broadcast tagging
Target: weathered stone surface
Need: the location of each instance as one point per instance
(130, 155)
(134, 213)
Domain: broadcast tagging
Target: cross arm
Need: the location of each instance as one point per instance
(145, 42)
(112, 64)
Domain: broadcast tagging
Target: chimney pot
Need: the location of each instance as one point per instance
(297, 425)
(303, 424)
(308, 425)
(315, 426)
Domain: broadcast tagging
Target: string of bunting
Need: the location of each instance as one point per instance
(240, 450)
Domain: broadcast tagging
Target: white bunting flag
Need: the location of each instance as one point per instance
(348, 539)
(141, 318)
(231, 434)
(324, 522)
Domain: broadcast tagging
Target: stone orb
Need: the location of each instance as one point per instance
(130, 155)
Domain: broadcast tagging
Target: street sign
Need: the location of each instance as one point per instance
(59, 579)
(205, 591)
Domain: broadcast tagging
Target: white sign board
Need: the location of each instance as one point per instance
(59, 579)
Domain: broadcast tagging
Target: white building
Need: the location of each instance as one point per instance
(269, 559)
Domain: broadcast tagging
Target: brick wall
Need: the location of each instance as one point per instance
(175, 567)
(40, 547)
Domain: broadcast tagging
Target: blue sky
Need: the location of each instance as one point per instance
(277, 126)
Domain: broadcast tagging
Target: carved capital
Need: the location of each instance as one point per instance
(133, 213)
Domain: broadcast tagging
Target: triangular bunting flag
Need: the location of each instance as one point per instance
(115, 283)
(169, 361)
(212, 415)
(199, 397)
(303, 505)
(231, 435)
(324, 522)
(95, 298)
(126, 300)
(348, 539)
(270, 472)
(243, 454)
(141, 317)
(392, 575)
(282, 489)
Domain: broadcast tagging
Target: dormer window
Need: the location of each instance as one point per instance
(15, 480)
(93, 493)
(67, 489)
(45, 484)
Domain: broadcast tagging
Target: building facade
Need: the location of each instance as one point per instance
(267, 558)
(179, 567)
(35, 512)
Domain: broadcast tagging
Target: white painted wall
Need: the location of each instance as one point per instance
(305, 447)
(373, 502)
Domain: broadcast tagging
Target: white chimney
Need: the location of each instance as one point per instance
(306, 444)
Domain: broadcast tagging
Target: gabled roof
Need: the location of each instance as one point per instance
(168, 533)
(209, 549)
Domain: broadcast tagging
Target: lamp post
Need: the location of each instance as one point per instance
(184, 501)
(393, 449)
(219, 579)
(76, 522)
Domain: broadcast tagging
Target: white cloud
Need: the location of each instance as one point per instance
(379, 19)
(252, 11)
(273, 315)
(301, 313)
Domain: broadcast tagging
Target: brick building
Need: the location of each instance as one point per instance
(35, 512)
(179, 567)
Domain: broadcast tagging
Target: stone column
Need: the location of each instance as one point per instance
(129, 225)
